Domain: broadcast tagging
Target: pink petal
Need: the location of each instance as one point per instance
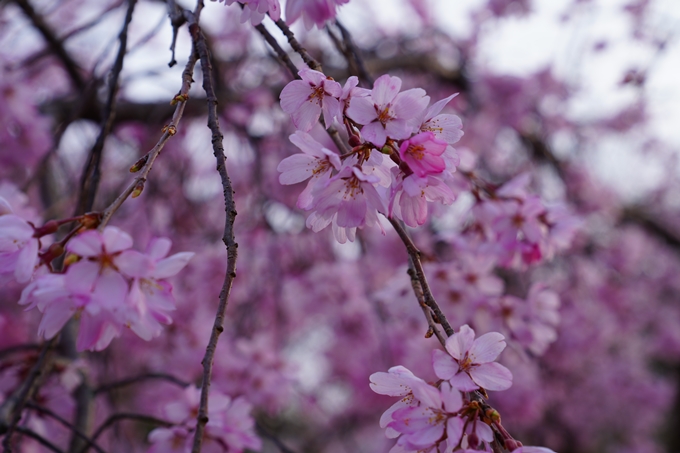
(28, 258)
(395, 383)
(454, 430)
(375, 133)
(134, 264)
(294, 95)
(444, 365)
(306, 116)
(296, 168)
(487, 347)
(460, 342)
(87, 244)
(362, 110)
(116, 240)
(492, 376)
(410, 103)
(463, 382)
(170, 266)
(451, 397)
(307, 144)
(159, 248)
(385, 90)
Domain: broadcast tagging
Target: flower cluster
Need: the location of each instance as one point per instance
(230, 426)
(108, 286)
(439, 417)
(401, 156)
(18, 246)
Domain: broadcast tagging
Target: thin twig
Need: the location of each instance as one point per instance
(66, 423)
(169, 131)
(306, 57)
(354, 51)
(18, 348)
(92, 172)
(283, 56)
(32, 434)
(11, 408)
(283, 448)
(72, 68)
(228, 236)
(133, 380)
(427, 311)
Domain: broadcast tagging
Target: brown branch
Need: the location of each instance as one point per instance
(427, 311)
(308, 59)
(353, 52)
(33, 435)
(201, 47)
(66, 423)
(11, 408)
(284, 59)
(72, 68)
(18, 348)
(92, 172)
(414, 255)
(133, 380)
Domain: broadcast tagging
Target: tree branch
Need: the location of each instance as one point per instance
(66, 423)
(133, 380)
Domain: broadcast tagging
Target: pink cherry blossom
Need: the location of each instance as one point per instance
(256, 10)
(409, 201)
(313, 12)
(386, 112)
(349, 200)
(470, 364)
(306, 99)
(316, 163)
(18, 247)
(446, 127)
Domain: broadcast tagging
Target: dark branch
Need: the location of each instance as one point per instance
(33, 435)
(66, 423)
(55, 44)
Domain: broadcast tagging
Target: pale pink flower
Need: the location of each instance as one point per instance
(349, 200)
(411, 195)
(396, 382)
(306, 99)
(313, 12)
(18, 247)
(256, 10)
(150, 299)
(386, 112)
(470, 364)
(316, 163)
(446, 127)
(422, 426)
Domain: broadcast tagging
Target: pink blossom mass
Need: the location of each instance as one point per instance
(334, 226)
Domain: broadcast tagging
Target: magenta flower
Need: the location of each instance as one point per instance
(316, 163)
(386, 112)
(256, 10)
(470, 364)
(305, 99)
(422, 154)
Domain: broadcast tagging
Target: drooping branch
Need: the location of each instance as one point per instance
(125, 416)
(12, 407)
(297, 47)
(200, 44)
(33, 435)
(66, 423)
(57, 46)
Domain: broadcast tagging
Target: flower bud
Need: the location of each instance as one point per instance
(137, 191)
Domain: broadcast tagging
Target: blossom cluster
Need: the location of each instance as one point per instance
(401, 157)
(230, 426)
(312, 12)
(443, 416)
(108, 286)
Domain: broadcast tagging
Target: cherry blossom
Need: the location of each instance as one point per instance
(470, 364)
(306, 99)
(386, 112)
